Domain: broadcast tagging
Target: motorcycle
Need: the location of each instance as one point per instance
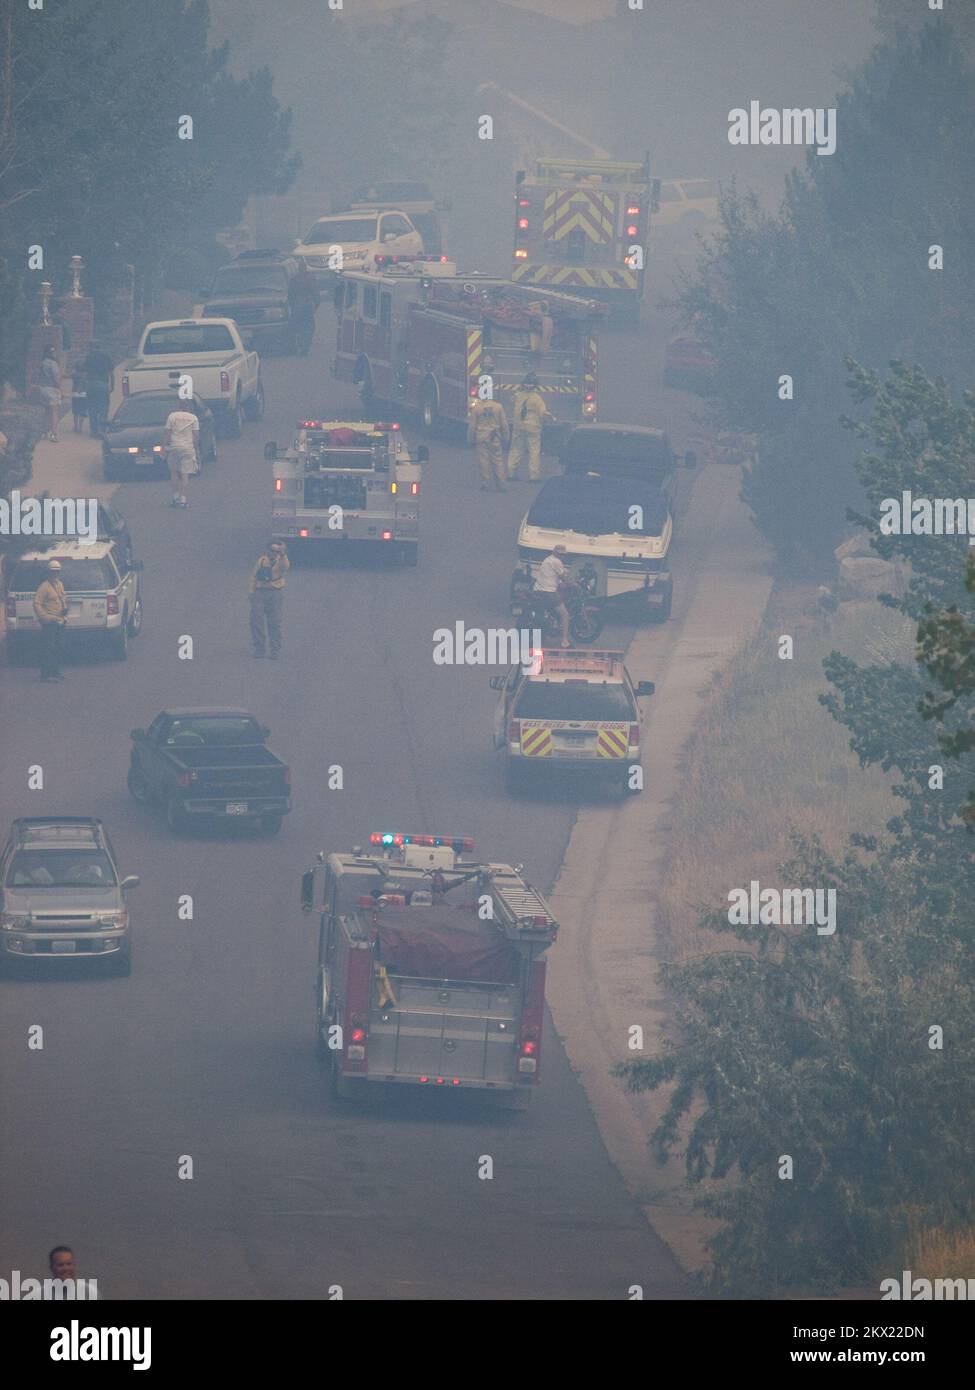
(585, 612)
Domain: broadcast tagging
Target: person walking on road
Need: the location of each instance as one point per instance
(487, 430)
(98, 367)
(267, 599)
(181, 442)
(51, 611)
(79, 398)
(50, 388)
(529, 415)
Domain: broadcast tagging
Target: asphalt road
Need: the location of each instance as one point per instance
(206, 1050)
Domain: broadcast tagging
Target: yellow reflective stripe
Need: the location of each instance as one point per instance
(612, 743)
(536, 742)
(474, 339)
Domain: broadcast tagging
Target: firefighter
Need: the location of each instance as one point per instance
(51, 612)
(528, 416)
(487, 429)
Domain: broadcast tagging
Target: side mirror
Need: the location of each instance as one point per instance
(497, 682)
(271, 450)
(137, 735)
(690, 459)
(423, 454)
(645, 688)
(307, 890)
(130, 881)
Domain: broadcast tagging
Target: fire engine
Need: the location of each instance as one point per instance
(417, 333)
(584, 224)
(348, 481)
(431, 971)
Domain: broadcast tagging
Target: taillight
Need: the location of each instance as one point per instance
(529, 1047)
(358, 1036)
(225, 383)
(279, 485)
(304, 532)
(523, 224)
(633, 211)
(111, 605)
(11, 608)
(632, 229)
(387, 535)
(634, 735)
(473, 392)
(521, 253)
(514, 731)
(125, 383)
(524, 202)
(590, 396)
(414, 489)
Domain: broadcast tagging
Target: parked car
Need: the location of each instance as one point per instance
(63, 894)
(686, 203)
(688, 365)
(132, 445)
(209, 763)
(103, 585)
(256, 290)
(362, 236)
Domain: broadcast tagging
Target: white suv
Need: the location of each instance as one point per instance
(362, 236)
(103, 587)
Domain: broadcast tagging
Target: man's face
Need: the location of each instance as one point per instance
(62, 1265)
(276, 550)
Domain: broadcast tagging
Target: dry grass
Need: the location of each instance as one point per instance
(942, 1255)
(767, 761)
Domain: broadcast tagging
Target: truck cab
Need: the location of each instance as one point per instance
(431, 971)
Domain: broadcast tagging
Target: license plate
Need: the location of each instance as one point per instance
(63, 948)
(236, 808)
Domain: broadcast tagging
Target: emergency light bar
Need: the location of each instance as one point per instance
(390, 838)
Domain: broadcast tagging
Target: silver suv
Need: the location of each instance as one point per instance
(61, 893)
(103, 586)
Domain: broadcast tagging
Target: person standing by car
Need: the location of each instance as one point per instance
(267, 599)
(305, 299)
(98, 367)
(181, 441)
(51, 611)
(49, 384)
(79, 398)
(528, 416)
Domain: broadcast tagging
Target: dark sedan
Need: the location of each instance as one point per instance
(132, 445)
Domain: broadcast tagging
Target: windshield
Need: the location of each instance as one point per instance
(75, 575)
(62, 868)
(251, 279)
(573, 700)
(216, 732)
(185, 338)
(146, 410)
(336, 230)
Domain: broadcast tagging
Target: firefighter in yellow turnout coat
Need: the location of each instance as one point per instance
(528, 417)
(487, 430)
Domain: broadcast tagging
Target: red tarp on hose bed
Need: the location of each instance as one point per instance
(437, 952)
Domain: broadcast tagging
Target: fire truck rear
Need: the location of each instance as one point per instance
(431, 971)
(583, 225)
(348, 481)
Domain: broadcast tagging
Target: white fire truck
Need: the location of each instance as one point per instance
(584, 225)
(417, 333)
(348, 481)
(431, 972)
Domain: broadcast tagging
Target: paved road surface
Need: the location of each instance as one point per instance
(207, 1050)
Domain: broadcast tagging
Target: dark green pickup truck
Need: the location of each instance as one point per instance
(206, 764)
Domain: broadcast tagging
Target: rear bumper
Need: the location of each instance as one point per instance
(256, 806)
(555, 765)
(443, 1083)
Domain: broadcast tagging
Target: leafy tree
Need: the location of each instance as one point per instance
(843, 266)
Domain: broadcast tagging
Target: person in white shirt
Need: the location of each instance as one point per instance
(182, 444)
(551, 573)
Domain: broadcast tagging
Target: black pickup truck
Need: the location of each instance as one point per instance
(209, 763)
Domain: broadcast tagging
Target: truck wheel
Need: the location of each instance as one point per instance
(135, 621)
(661, 614)
(119, 640)
(233, 421)
(140, 788)
(271, 824)
(344, 1087)
(121, 961)
(254, 408)
(429, 408)
(175, 816)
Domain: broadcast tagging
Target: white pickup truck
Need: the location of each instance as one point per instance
(210, 353)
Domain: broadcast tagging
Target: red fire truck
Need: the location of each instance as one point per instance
(417, 334)
(584, 225)
(431, 971)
